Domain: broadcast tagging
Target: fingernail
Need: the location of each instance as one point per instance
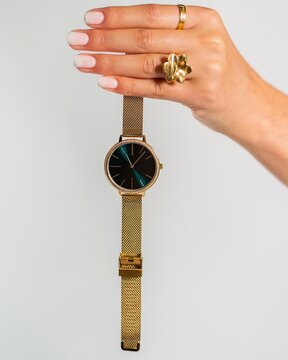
(107, 82)
(84, 61)
(77, 38)
(94, 17)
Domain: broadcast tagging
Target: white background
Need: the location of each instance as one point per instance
(214, 225)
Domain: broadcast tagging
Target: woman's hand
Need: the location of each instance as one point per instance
(223, 91)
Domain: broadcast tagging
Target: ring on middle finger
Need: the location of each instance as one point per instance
(176, 68)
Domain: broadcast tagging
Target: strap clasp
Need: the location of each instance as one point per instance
(130, 265)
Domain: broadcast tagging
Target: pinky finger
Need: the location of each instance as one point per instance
(149, 88)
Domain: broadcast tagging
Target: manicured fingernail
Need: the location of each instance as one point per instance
(77, 38)
(84, 61)
(107, 82)
(94, 17)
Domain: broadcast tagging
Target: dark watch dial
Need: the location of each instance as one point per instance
(132, 166)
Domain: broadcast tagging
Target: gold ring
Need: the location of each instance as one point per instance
(176, 68)
(182, 16)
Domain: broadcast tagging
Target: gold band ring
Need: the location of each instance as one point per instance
(182, 16)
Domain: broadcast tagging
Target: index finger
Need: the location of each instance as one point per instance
(143, 16)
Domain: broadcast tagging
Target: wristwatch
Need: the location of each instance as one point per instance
(132, 167)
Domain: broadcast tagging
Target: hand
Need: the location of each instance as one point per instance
(223, 91)
(132, 166)
(213, 91)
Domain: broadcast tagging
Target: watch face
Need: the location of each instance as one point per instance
(132, 166)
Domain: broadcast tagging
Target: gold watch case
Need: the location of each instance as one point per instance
(142, 141)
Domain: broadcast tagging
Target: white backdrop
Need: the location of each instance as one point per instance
(214, 225)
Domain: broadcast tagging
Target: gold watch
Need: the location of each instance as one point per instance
(132, 167)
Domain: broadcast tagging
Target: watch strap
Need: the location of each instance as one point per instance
(132, 116)
(130, 270)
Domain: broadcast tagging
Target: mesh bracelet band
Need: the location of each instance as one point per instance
(132, 116)
(130, 259)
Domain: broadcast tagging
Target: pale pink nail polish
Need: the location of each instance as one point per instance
(94, 17)
(77, 38)
(107, 82)
(84, 61)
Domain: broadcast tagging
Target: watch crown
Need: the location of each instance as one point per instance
(161, 166)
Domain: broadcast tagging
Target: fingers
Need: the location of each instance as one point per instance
(132, 40)
(138, 66)
(149, 88)
(144, 16)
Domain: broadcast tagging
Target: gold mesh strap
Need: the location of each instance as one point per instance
(131, 271)
(132, 116)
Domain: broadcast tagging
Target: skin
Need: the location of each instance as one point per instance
(223, 92)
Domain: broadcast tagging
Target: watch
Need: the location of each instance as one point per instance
(132, 167)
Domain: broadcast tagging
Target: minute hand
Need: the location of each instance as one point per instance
(129, 160)
(124, 152)
(138, 159)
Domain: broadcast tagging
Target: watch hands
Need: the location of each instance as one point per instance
(126, 156)
(138, 159)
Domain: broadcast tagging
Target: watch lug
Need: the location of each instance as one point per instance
(123, 193)
(122, 137)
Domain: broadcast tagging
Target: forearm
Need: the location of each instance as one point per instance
(264, 133)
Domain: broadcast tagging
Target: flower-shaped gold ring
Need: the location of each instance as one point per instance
(176, 68)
